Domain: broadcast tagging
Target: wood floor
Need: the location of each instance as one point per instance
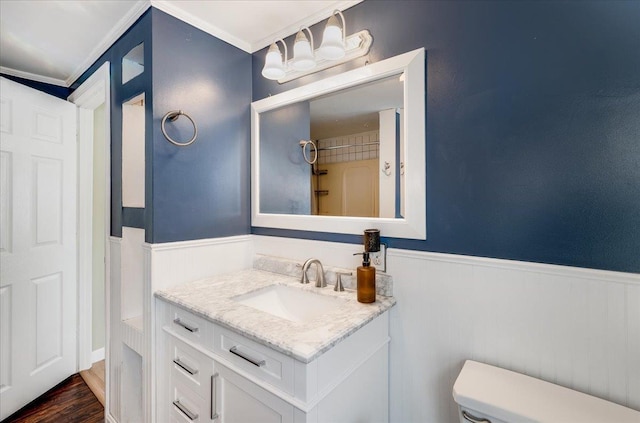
(71, 402)
(94, 378)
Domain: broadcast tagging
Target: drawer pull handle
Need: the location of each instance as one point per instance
(473, 419)
(185, 367)
(254, 361)
(191, 415)
(190, 328)
(214, 390)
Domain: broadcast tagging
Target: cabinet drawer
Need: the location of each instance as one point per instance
(191, 327)
(190, 367)
(187, 406)
(264, 363)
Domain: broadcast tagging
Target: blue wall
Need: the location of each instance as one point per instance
(194, 192)
(285, 176)
(54, 90)
(140, 32)
(533, 125)
(203, 190)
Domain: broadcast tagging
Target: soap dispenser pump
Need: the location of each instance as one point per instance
(366, 274)
(366, 280)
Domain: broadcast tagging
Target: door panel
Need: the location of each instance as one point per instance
(239, 400)
(37, 244)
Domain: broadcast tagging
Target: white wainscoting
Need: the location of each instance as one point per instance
(173, 263)
(147, 268)
(576, 327)
(113, 360)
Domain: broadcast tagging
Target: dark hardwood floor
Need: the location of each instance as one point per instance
(71, 401)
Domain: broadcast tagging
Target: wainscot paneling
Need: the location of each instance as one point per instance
(173, 263)
(576, 327)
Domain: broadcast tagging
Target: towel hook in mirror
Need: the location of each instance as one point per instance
(173, 116)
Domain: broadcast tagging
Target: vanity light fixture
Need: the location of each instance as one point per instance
(336, 48)
(333, 38)
(303, 58)
(274, 67)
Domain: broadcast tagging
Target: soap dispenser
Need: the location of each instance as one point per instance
(366, 279)
(366, 274)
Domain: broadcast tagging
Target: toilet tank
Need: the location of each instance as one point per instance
(486, 393)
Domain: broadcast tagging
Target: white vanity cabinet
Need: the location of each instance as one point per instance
(238, 399)
(209, 373)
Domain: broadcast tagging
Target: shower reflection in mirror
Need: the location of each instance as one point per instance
(359, 141)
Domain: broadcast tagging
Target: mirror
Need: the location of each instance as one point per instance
(367, 133)
(133, 63)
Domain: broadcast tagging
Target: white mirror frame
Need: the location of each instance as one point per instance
(414, 224)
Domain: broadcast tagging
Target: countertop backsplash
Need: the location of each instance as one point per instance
(288, 267)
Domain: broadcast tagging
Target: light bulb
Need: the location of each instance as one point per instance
(273, 66)
(302, 53)
(332, 47)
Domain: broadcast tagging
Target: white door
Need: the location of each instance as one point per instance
(37, 244)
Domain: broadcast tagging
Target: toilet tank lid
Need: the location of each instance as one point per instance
(512, 396)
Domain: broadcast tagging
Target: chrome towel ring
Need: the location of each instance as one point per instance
(303, 144)
(172, 116)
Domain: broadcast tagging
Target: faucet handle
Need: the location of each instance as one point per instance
(339, 286)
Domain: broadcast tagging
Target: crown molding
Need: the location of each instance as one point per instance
(119, 28)
(170, 8)
(141, 6)
(33, 77)
(307, 21)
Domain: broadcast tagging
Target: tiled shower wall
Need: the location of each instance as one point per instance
(359, 151)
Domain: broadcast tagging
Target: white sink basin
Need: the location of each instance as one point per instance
(289, 303)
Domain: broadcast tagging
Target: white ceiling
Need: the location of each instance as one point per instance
(55, 41)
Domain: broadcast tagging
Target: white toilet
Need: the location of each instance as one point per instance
(488, 394)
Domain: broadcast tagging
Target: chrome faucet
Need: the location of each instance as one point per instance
(320, 282)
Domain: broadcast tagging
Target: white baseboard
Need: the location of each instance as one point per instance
(97, 355)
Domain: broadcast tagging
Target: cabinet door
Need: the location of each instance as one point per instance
(238, 400)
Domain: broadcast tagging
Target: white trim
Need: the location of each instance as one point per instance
(293, 27)
(523, 266)
(97, 355)
(85, 236)
(168, 246)
(112, 329)
(91, 94)
(339, 255)
(33, 76)
(139, 7)
(95, 91)
(172, 9)
(413, 225)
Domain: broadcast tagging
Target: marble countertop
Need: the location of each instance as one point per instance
(213, 299)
